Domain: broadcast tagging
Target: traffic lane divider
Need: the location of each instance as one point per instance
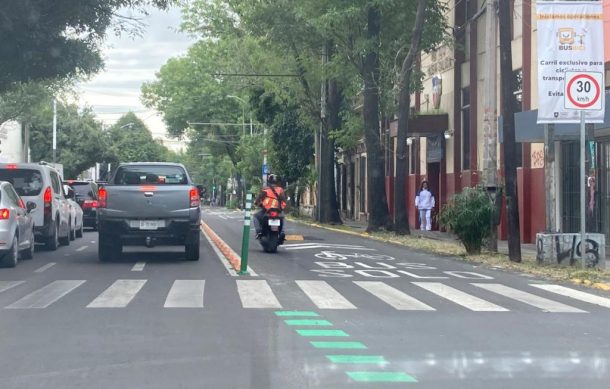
(232, 257)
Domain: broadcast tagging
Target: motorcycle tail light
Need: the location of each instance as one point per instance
(274, 214)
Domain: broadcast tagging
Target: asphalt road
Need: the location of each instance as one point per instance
(330, 311)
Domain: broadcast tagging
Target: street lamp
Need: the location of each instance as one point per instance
(130, 125)
(243, 112)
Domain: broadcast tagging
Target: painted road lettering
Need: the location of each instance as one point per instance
(338, 268)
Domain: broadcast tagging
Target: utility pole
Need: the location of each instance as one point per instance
(510, 145)
(54, 130)
(490, 117)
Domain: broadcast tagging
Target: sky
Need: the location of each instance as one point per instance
(131, 61)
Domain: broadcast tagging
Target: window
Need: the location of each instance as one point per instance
(85, 190)
(56, 183)
(27, 182)
(151, 175)
(14, 199)
(466, 128)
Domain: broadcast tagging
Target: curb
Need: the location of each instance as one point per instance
(232, 257)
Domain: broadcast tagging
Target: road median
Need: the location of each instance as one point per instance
(593, 278)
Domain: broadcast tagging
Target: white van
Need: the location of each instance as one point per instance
(41, 184)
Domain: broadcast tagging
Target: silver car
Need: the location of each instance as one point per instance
(16, 227)
(76, 213)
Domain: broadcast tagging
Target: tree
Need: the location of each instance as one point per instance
(401, 218)
(80, 141)
(131, 141)
(510, 146)
(44, 40)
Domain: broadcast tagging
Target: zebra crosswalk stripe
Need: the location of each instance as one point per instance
(575, 294)
(256, 294)
(118, 295)
(46, 295)
(461, 298)
(324, 296)
(394, 297)
(528, 298)
(185, 294)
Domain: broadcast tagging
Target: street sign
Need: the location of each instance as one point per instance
(584, 91)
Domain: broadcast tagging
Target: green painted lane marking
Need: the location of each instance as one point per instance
(296, 313)
(322, 333)
(339, 345)
(357, 359)
(380, 376)
(308, 322)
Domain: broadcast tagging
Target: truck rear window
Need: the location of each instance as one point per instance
(150, 175)
(27, 182)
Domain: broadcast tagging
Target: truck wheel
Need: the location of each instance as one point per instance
(108, 249)
(65, 241)
(10, 258)
(53, 240)
(191, 248)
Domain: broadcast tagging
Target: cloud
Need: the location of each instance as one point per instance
(131, 61)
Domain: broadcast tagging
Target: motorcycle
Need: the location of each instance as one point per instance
(272, 230)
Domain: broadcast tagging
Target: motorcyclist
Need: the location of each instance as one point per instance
(270, 196)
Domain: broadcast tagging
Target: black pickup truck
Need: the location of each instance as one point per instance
(148, 204)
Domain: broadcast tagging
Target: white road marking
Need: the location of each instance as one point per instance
(256, 294)
(186, 294)
(305, 246)
(46, 295)
(461, 298)
(82, 248)
(575, 294)
(528, 298)
(220, 256)
(324, 296)
(118, 295)
(393, 297)
(6, 285)
(139, 266)
(45, 267)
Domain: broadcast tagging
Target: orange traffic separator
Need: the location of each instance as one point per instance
(232, 257)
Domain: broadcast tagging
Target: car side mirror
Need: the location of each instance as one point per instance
(70, 193)
(30, 206)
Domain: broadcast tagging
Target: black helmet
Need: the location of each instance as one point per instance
(272, 179)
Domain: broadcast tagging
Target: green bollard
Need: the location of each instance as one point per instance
(245, 242)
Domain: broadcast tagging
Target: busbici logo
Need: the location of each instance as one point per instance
(569, 40)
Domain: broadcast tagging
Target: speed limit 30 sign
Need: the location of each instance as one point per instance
(584, 91)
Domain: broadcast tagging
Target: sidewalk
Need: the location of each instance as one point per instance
(526, 248)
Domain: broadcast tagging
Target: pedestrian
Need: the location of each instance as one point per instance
(424, 202)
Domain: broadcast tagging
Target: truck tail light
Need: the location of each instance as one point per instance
(102, 195)
(194, 197)
(5, 214)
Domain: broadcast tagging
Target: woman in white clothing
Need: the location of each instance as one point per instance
(424, 202)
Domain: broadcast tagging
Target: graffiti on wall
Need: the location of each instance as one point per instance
(565, 249)
(538, 159)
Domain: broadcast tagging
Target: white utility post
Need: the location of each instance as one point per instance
(54, 130)
(490, 112)
(243, 112)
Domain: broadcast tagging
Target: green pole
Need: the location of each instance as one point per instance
(245, 242)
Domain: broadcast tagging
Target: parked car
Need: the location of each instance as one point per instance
(148, 204)
(76, 213)
(87, 198)
(16, 227)
(41, 184)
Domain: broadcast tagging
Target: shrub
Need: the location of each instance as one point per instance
(468, 215)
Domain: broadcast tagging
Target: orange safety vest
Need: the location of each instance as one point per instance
(271, 201)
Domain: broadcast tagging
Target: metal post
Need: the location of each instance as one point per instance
(54, 130)
(549, 177)
(245, 243)
(583, 197)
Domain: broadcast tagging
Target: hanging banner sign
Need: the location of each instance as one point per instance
(570, 39)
